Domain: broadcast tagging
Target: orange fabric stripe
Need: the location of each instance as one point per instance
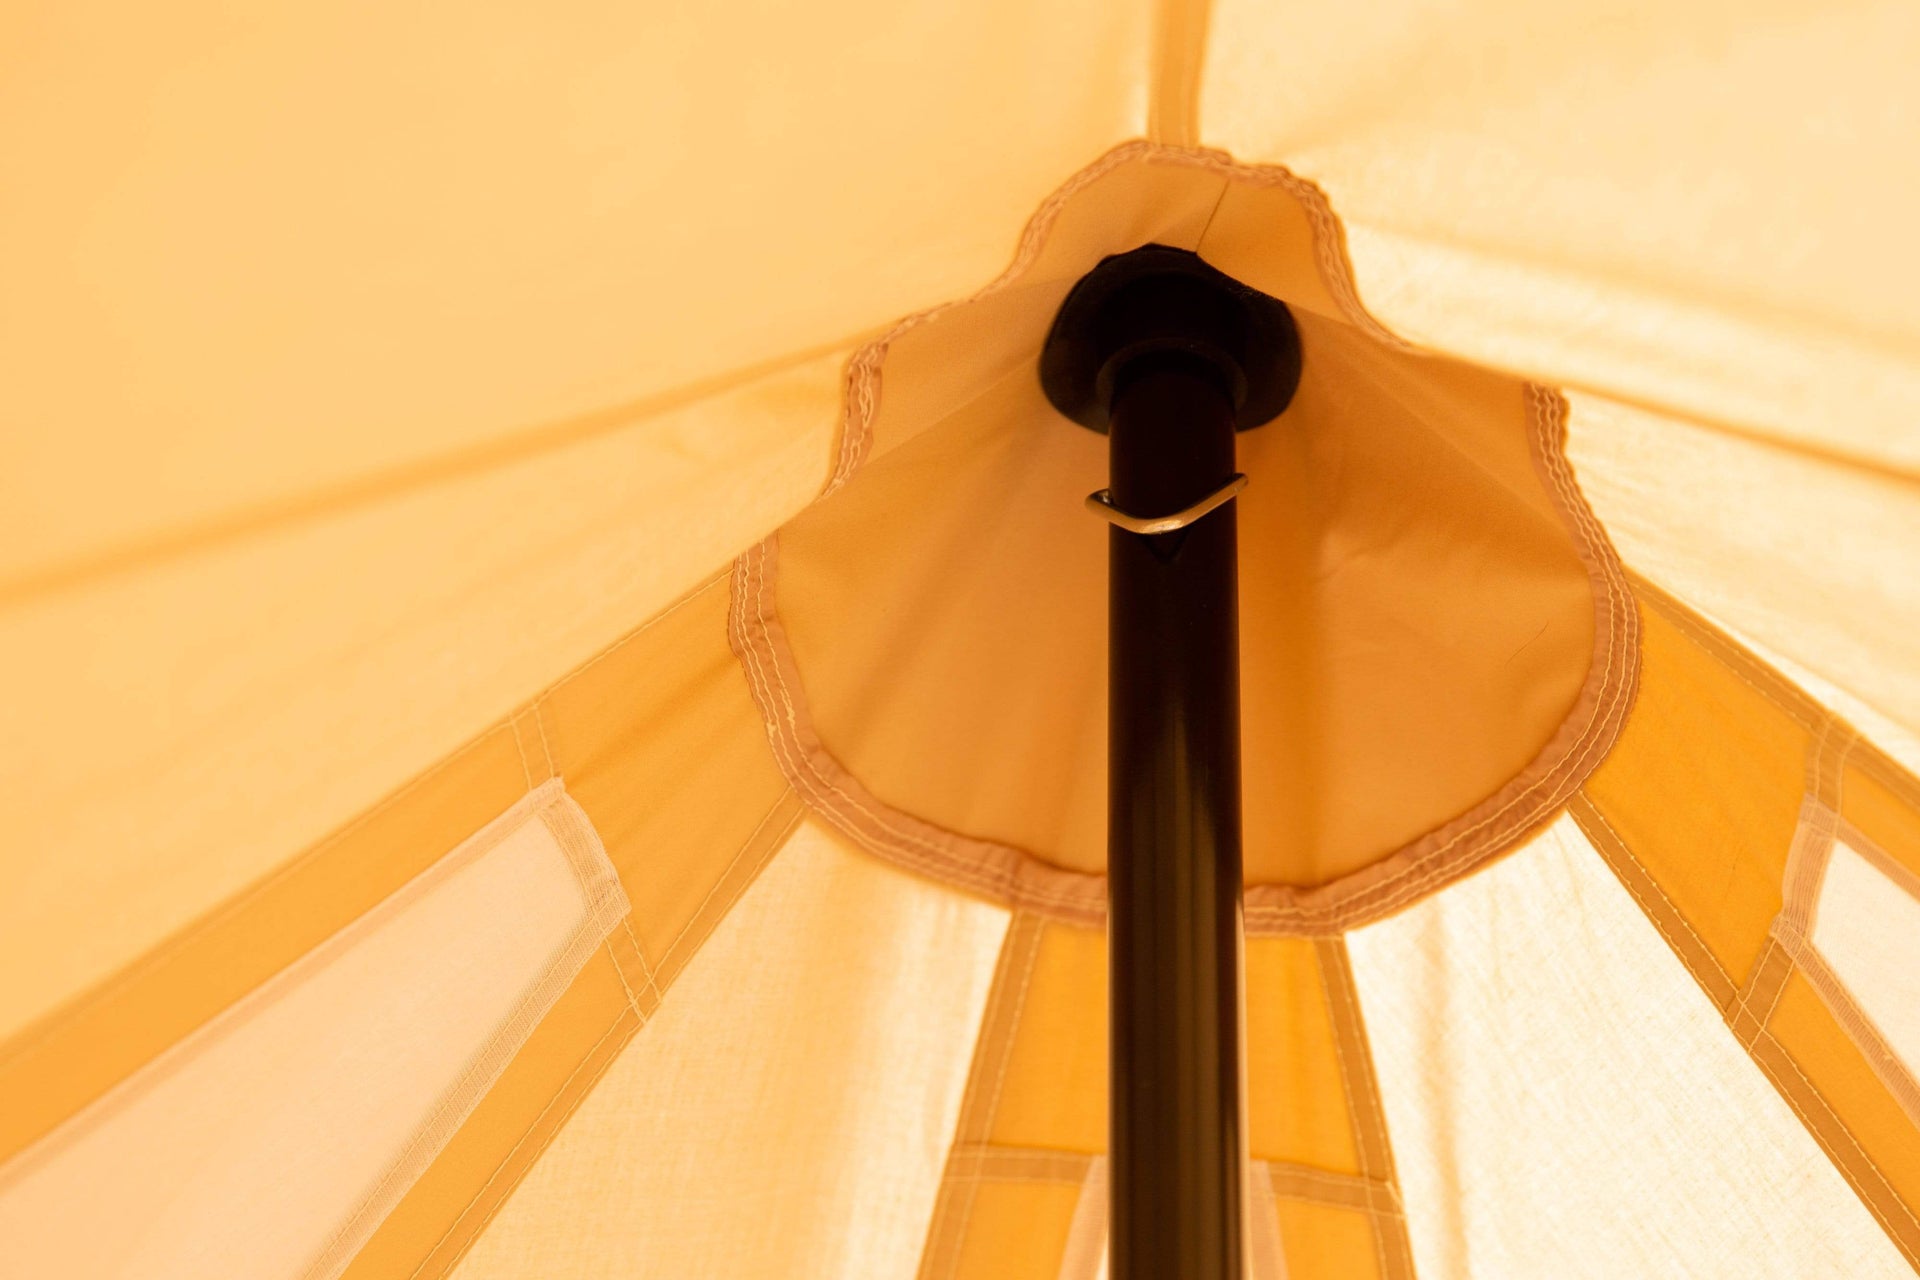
(56, 1067)
(1717, 813)
(1884, 803)
(1393, 1248)
(1833, 1089)
(1328, 1242)
(446, 1209)
(645, 734)
(1704, 787)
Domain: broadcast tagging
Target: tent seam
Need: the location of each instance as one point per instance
(603, 895)
(506, 1160)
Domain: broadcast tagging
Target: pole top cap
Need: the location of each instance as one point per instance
(1158, 300)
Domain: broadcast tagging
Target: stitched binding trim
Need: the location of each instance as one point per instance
(1014, 877)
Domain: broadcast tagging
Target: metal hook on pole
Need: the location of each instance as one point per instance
(1100, 502)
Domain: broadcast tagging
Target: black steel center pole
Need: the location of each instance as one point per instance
(1173, 835)
(1170, 357)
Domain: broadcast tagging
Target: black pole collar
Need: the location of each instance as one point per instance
(1166, 303)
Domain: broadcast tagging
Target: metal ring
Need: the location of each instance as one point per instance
(1101, 504)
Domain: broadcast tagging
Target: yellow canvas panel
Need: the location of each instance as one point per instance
(200, 716)
(1812, 557)
(228, 285)
(1327, 1242)
(53, 1068)
(1054, 1090)
(1015, 1231)
(1704, 787)
(1296, 1099)
(1586, 192)
(368, 372)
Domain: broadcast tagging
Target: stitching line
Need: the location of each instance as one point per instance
(1002, 1051)
(1322, 1186)
(520, 749)
(991, 1162)
(1885, 863)
(1767, 1039)
(1660, 908)
(895, 841)
(1763, 680)
(646, 969)
(633, 1001)
(945, 1233)
(513, 1151)
(658, 618)
(1349, 1083)
(540, 726)
(1853, 1020)
(568, 827)
(634, 1005)
(1763, 1042)
(162, 1065)
(667, 956)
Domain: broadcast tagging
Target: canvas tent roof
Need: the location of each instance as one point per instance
(517, 524)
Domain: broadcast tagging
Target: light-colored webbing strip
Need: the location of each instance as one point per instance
(1887, 1064)
(1788, 937)
(1757, 998)
(1794, 932)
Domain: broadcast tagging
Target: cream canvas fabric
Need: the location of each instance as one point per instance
(625, 421)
